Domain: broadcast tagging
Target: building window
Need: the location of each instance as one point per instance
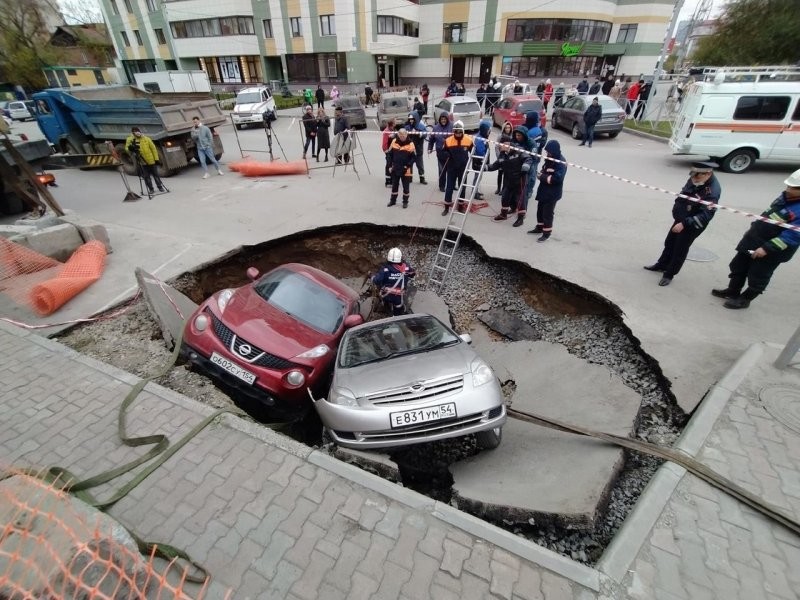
(213, 27)
(397, 26)
(98, 77)
(138, 37)
(125, 39)
(454, 32)
(267, 28)
(528, 67)
(627, 33)
(72, 72)
(114, 7)
(151, 5)
(252, 71)
(583, 30)
(160, 37)
(332, 71)
(229, 69)
(128, 6)
(327, 25)
(294, 23)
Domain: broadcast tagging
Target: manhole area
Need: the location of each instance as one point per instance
(558, 311)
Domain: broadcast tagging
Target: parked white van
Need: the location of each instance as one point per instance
(251, 104)
(737, 115)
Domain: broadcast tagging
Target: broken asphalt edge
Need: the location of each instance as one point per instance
(625, 545)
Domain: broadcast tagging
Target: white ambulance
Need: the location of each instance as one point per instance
(737, 115)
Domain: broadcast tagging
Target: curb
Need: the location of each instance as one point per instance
(625, 546)
(648, 136)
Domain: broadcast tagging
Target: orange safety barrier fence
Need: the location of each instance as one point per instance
(54, 546)
(254, 168)
(43, 284)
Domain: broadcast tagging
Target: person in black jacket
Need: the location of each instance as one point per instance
(551, 187)
(764, 247)
(310, 125)
(341, 134)
(402, 153)
(320, 95)
(323, 133)
(690, 219)
(590, 118)
(515, 162)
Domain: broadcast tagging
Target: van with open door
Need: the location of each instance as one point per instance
(737, 115)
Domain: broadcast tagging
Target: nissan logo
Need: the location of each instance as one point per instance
(245, 349)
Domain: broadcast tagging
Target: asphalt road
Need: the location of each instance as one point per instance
(605, 231)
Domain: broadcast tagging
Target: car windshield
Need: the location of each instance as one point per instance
(391, 338)
(248, 98)
(303, 299)
(529, 105)
(465, 107)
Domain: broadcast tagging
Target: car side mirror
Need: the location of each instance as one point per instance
(465, 337)
(252, 273)
(352, 321)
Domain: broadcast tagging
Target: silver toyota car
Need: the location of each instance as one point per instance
(407, 380)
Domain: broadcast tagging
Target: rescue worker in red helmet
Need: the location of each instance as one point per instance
(392, 281)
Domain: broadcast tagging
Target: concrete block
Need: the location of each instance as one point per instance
(9, 231)
(89, 229)
(58, 242)
(425, 301)
(374, 462)
(541, 473)
(168, 306)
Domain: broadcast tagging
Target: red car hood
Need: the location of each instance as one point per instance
(261, 324)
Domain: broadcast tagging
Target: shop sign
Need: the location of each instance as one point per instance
(568, 49)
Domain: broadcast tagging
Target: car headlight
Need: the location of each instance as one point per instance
(481, 373)
(201, 322)
(315, 352)
(295, 378)
(342, 397)
(222, 299)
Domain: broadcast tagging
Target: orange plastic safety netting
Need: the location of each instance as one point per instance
(43, 284)
(54, 546)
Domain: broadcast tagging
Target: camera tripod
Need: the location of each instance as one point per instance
(144, 177)
(270, 133)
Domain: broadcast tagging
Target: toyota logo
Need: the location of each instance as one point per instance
(417, 387)
(245, 349)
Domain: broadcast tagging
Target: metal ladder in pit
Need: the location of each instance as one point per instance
(470, 181)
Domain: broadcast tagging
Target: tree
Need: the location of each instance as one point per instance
(81, 12)
(753, 32)
(23, 41)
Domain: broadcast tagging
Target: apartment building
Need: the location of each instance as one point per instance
(357, 41)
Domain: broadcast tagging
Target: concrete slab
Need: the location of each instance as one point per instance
(58, 241)
(89, 229)
(374, 462)
(507, 324)
(169, 306)
(427, 302)
(541, 473)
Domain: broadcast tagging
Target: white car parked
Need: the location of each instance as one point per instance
(251, 104)
(19, 110)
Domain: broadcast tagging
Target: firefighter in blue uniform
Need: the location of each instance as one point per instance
(401, 156)
(392, 281)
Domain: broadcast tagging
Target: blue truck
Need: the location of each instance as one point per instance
(82, 120)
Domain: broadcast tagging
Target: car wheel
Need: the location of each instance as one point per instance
(738, 161)
(613, 134)
(576, 132)
(489, 439)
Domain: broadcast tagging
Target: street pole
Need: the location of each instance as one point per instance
(665, 46)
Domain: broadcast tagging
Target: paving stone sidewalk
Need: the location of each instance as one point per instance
(271, 518)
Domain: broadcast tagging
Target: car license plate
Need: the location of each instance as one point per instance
(423, 415)
(232, 368)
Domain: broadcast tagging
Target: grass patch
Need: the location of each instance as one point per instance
(294, 101)
(659, 128)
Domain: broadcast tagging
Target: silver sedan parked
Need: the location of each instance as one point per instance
(407, 380)
(569, 116)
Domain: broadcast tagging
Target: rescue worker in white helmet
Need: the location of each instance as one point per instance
(392, 281)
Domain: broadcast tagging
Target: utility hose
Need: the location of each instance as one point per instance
(690, 464)
(161, 449)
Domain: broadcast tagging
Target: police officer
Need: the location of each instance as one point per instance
(392, 281)
(690, 219)
(763, 247)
